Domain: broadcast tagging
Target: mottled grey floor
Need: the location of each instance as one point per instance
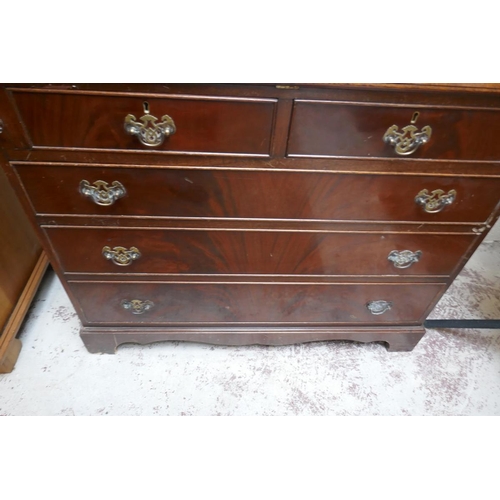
(450, 372)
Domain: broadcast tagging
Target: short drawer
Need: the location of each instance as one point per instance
(199, 193)
(97, 121)
(340, 129)
(167, 251)
(276, 303)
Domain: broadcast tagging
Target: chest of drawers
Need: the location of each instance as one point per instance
(254, 214)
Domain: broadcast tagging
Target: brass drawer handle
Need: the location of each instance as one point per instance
(379, 306)
(149, 132)
(101, 193)
(136, 306)
(436, 200)
(404, 258)
(120, 255)
(1, 126)
(409, 139)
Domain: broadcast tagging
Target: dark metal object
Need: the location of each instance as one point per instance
(463, 323)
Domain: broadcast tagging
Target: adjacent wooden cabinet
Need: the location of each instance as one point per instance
(22, 264)
(241, 214)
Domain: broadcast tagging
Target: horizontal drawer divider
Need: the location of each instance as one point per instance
(236, 275)
(266, 97)
(251, 323)
(270, 278)
(140, 152)
(276, 165)
(397, 105)
(252, 283)
(238, 329)
(469, 230)
(254, 219)
(145, 95)
(373, 158)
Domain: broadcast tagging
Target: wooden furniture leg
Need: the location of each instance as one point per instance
(10, 357)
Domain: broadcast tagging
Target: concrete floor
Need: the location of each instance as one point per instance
(450, 372)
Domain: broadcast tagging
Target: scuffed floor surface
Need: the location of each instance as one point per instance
(450, 372)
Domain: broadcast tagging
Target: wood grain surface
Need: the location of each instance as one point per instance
(178, 192)
(19, 253)
(271, 205)
(337, 129)
(19, 250)
(259, 304)
(248, 252)
(83, 121)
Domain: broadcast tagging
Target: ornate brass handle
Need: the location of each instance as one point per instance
(379, 306)
(405, 258)
(136, 306)
(102, 194)
(408, 140)
(436, 200)
(120, 255)
(149, 132)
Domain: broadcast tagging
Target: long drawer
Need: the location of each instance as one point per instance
(158, 251)
(191, 192)
(97, 121)
(336, 129)
(148, 303)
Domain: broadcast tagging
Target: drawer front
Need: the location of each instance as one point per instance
(67, 120)
(257, 194)
(339, 129)
(256, 252)
(113, 303)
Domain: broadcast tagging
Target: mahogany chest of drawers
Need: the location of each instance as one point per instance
(244, 214)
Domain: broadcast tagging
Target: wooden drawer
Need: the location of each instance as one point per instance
(184, 192)
(188, 303)
(258, 252)
(340, 129)
(96, 121)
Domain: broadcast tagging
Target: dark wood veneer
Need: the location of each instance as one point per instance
(207, 125)
(19, 272)
(259, 304)
(216, 252)
(107, 339)
(178, 192)
(242, 242)
(338, 129)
